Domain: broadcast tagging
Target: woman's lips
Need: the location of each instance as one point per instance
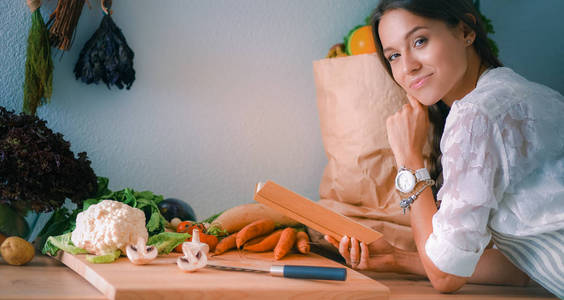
(418, 82)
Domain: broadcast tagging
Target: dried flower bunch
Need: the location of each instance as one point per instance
(106, 56)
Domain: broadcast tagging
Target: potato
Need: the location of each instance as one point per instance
(17, 251)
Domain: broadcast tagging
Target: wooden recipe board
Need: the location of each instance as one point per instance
(162, 279)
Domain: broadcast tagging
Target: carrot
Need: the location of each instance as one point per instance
(253, 230)
(302, 242)
(286, 242)
(254, 241)
(225, 244)
(264, 243)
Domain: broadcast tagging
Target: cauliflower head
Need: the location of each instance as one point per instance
(108, 226)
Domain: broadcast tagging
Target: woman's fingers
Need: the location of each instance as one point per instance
(364, 256)
(413, 102)
(355, 253)
(344, 249)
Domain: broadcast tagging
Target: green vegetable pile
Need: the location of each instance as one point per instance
(57, 232)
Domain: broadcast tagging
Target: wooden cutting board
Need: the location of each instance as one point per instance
(162, 279)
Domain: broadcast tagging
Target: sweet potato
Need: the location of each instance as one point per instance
(286, 242)
(257, 228)
(264, 243)
(235, 218)
(225, 244)
(302, 242)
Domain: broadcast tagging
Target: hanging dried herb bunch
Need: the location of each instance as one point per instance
(38, 171)
(38, 84)
(106, 56)
(63, 21)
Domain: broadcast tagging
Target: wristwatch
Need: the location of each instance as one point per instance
(407, 179)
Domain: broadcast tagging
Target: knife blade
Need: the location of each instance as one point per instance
(291, 271)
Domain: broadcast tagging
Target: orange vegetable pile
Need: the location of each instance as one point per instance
(262, 236)
(188, 226)
(258, 236)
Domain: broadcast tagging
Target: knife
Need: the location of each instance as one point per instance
(292, 271)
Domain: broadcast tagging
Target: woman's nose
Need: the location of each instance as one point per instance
(410, 64)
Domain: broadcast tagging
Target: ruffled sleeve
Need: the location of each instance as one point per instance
(472, 172)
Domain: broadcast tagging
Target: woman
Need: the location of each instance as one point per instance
(501, 155)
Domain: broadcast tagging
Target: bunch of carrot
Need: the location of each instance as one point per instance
(261, 236)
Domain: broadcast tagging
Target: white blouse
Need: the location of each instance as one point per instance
(503, 169)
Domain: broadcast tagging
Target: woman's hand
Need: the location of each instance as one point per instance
(378, 256)
(407, 133)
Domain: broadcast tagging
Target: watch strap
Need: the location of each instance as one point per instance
(422, 175)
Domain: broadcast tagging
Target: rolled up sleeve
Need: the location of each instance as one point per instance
(471, 162)
(449, 258)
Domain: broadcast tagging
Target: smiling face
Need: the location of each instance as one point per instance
(429, 60)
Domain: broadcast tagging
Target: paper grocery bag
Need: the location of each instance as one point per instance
(355, 95)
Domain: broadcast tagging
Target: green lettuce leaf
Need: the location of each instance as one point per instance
(104, 258)
(61, 242)
(165, 242)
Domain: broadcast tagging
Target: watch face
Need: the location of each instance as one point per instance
(405, 181)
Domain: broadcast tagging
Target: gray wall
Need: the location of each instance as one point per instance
(224, 94)
(530, 35)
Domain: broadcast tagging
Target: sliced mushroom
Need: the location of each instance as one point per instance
(195, 254)
(141, 254)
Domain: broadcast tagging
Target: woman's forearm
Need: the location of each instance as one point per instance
(422, 211)
(492, 268)
(409, 262)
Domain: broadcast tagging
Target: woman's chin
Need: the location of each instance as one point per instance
(426, 99)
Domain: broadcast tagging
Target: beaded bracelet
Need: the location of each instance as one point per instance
(406, 202)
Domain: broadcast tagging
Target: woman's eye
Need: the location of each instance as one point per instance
(419, 42)
(393, 57)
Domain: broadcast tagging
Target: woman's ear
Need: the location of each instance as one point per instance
(469, 34)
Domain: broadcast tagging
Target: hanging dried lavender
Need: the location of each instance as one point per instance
(106, 56)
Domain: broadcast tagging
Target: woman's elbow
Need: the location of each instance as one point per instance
(448, 283)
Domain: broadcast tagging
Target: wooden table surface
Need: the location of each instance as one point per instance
(44, 278)
(47, 278)
(411, 287)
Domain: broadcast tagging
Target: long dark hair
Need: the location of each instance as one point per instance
(451, 12)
